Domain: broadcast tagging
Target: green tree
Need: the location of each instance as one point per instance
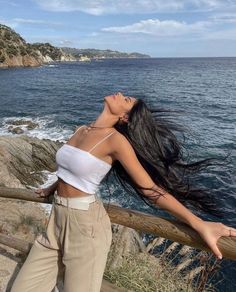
(12, 50)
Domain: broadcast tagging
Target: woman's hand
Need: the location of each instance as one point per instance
(210, 232)
(44, 192)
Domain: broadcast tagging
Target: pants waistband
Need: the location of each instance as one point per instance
(81, 203)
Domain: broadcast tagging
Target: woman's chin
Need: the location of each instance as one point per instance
(105, 97)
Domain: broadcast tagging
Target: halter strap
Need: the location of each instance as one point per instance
(98, 141)
(101, 141)
(79, 128)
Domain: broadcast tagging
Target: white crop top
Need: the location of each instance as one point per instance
(80, 168)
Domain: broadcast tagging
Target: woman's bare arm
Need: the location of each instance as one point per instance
(209, 231)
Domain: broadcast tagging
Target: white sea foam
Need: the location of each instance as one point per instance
(46, 129)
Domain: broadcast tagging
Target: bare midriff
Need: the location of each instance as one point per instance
(66, 190)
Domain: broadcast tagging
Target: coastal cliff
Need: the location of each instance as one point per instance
(16, 52)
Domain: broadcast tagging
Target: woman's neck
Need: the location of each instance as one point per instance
(105, 120)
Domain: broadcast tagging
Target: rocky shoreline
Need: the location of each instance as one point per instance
(23, 158)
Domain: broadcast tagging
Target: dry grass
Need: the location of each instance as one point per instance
(146, 273)
(28, 224)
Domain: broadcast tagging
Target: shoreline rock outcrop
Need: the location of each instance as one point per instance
(23, 158)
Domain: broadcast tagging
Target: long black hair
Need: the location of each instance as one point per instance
(153, 138)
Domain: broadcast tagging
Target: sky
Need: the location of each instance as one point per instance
(159, 28)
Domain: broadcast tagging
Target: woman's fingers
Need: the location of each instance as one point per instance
(226, 231)
(229, 231)
(40, 192)
(213, 246)
(212, 231)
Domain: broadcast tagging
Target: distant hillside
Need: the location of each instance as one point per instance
(51, 53)
(94, 53)
(15, 51)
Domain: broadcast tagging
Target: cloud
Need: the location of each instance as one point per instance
(16, 22)
(223, 17)
(162, 28)
(224, 34)
(11, 3)
(36, 22)
(99, 7)
(65, 42)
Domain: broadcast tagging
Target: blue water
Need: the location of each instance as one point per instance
(64, 95)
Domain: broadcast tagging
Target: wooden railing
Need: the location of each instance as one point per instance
(167, 228)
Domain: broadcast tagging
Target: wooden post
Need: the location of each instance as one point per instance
(167, 228)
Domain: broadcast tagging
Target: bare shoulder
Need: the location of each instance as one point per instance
(120, 145)
(118, 137)
(124, 152)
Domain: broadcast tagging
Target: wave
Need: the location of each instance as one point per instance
(47, 128)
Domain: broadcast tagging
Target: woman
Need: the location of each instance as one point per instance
(145, 157)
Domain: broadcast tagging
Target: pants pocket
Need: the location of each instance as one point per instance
(83, 223)
(86, 229)
(106, 225)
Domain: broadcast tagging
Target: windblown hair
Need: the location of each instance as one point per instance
(161, 154)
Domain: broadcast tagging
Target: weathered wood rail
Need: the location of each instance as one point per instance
(167, 228)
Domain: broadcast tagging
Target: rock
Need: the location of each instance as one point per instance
(23, 158)
(125, 241)
(28, 123)
(4, 273)
(21, 61)
(31, 125)
(16, 130)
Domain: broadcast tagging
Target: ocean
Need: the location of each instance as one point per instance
(60, 96)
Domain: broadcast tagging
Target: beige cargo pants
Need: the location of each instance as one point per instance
(77, 242)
